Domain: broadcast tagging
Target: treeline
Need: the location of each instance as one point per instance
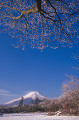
(24, 108)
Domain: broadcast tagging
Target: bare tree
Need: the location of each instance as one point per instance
(41, 23)
(71, 94)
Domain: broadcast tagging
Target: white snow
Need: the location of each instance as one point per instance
(12, 101)
(34, 95)
(36, 116)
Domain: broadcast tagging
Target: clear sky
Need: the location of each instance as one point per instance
(32, 70)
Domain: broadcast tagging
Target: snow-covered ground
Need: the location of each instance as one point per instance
(36, 116)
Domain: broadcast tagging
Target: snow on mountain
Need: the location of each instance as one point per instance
(34, 95)
(28, 99)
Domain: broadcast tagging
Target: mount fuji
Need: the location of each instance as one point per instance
(28, 99)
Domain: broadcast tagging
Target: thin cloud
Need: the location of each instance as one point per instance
(5, 93)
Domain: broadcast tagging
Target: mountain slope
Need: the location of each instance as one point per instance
(28, 99)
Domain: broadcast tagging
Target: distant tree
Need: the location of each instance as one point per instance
(54, 106)
(41, 23)
(37, 101)
(21, 102)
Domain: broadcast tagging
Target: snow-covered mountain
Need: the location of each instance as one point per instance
(28, 99)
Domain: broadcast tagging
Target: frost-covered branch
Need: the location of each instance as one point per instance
(47, 23)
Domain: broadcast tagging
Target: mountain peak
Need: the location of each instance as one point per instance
(34, 95)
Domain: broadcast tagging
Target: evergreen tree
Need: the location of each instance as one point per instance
(21, 101)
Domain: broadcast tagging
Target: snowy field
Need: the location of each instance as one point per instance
(36, 116)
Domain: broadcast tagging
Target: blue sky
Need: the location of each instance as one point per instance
(32, 70)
